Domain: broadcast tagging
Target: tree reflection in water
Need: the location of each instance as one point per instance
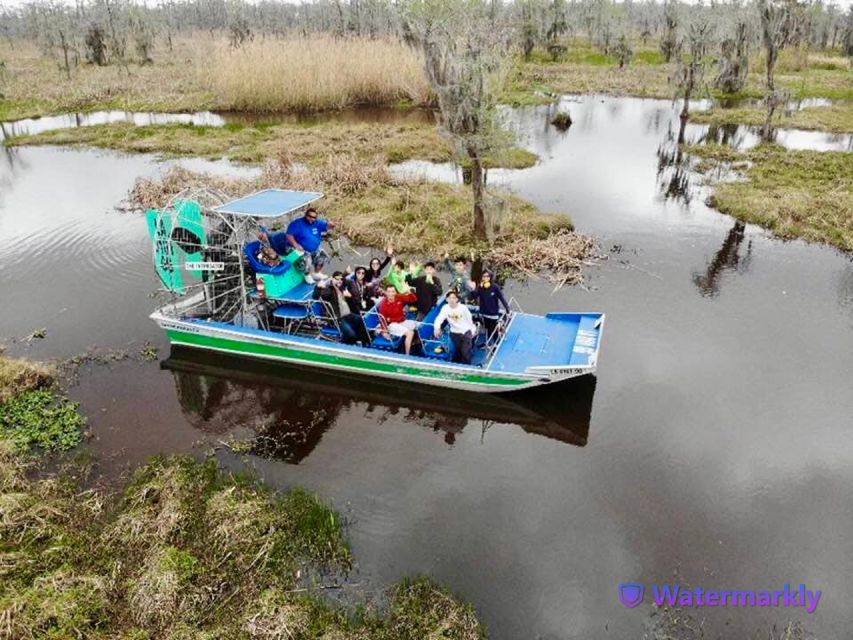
(727, 258)
(673, 174)
(287, 410)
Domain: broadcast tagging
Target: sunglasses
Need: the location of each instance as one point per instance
(311, 217)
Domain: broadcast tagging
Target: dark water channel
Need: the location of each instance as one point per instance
(715, 447)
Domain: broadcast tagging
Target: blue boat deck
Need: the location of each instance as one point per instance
(543, 341)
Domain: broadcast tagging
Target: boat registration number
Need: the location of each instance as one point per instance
(558, 371)
(204, 266)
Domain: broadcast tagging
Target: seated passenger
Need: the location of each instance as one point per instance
(427, 287)
(462, 327)
(488, 296)
(373, 277)
(359, 291)
(398, 274)
(392, 309)
(351, 324)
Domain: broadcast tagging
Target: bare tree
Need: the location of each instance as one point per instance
(690, 73)
(463, 58)
(669, 41)
(623, 51)
(734, 60)
(528, 28)
(96, 45)
(775, 30)
(847, 44)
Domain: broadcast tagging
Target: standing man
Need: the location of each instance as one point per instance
(306, 234)
(489, 297)
(462, 327)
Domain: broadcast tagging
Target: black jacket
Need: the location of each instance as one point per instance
(328, 294)
(375, 277)
(490, 299)
(359, 301)
(427, 293)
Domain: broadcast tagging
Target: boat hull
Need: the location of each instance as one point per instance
(265, 345)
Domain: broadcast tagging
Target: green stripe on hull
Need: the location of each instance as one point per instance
(276, 351)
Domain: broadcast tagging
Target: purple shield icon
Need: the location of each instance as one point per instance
(631, 594)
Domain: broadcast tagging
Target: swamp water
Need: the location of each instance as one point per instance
(715, 448)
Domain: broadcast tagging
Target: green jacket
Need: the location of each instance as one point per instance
(398, 278)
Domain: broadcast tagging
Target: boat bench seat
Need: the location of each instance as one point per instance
(439, 349)
(290, 311)
(374, 325)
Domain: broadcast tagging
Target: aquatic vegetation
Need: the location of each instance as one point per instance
(42, 419)
(562, 120)
(795, 194)
(33, 415)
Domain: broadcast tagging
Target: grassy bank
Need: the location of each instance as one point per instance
(183, 551)
(308, 144)
(584, 69)
(795, 194)
(203, 72)
(837, 118)
(418, 217)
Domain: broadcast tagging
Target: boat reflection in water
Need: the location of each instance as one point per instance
(289, 409)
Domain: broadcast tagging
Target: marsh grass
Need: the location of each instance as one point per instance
(837, 118)
(583, 70)
(795, 194)
(186, 552)
(417, 217)
(307, 144)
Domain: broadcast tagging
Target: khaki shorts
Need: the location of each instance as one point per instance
(401, 328)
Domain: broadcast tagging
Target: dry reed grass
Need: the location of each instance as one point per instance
(20, 376)
(315, 74)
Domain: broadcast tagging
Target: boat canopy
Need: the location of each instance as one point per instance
(269, 203)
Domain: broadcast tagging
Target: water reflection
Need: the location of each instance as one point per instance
(673, 172)
(727, 258)
(289, 411)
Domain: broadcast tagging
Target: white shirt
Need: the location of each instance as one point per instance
(459, 318)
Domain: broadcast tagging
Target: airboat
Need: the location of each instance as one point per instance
(222, 299)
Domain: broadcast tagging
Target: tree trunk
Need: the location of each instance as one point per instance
(64, 45)
(477, 191)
